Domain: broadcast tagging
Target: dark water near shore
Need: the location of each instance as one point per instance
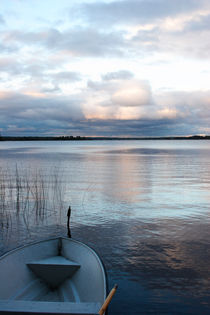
(142, 205)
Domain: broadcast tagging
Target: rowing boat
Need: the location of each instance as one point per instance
(55, 276)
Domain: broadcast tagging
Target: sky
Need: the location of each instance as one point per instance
(104, 67)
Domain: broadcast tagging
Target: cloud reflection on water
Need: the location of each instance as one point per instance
(162, 256)
(144, 209)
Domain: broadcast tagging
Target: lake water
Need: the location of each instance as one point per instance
(144, 206)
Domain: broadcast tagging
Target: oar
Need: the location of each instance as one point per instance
(108, 300)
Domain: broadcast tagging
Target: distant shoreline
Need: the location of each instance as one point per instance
(79, 138)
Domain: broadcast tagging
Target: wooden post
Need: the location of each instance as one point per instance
(108, 300)
(68, 222)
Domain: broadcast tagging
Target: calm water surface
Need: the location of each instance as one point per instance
(142, 205)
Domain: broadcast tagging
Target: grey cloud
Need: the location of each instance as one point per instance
(186, 41)
(88, 42)
(192, 107)
(147, 36)
(202, 24)
(122, 75)
(77, 41)
(53, 89)
(133, 11)
(135, 128)
(26, 37)
(58, 123)
(66, 76)
(34, 70)
(10, 65)
(5, 48)
(16, 106)
(57, 78)
(147, 40)
(37, 69)
(59, 115)
(100, 86)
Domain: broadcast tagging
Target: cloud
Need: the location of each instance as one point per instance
(150, 26)
(134, 28)
(116, 99)
(186, 39)
(66, 76)
(76, 41)
(35, 74)
(34, 66)
(9, 65)
(117, 107)
(200, 23)
(95, 74)
(133, 11)
(192, 109)
(2, 21)
(121, 74)
(16, 107)
(132, 94)
(132, 102)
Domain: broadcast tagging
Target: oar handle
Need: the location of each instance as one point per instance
(108, 300)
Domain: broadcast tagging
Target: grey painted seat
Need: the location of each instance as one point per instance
(54, 270)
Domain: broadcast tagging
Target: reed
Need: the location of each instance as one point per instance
(30, 197)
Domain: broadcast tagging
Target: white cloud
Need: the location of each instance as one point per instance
(117, 99)
(132, 94)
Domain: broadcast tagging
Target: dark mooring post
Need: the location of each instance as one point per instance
(68, 222)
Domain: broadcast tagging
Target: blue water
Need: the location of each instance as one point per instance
(142, 205)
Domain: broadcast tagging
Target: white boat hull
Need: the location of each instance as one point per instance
(57, 276)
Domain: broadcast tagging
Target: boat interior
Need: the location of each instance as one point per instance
(51, 274)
